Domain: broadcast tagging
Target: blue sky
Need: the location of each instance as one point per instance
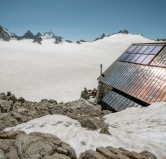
(85, 19)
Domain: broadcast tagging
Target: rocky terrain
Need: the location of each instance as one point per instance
(15, 111)
(19, 145)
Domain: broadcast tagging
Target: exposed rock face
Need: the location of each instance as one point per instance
(28, 35)
(4, 34)
(18, 145)
(101, 37)
(69, 41)
(115, 153)
(13, 35)
(78, 42)
(123, 32)
(38, 38)
(58, 39)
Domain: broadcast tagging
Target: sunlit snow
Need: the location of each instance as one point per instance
(135, 129)
(58, 71)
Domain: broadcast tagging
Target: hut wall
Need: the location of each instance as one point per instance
(102, 91)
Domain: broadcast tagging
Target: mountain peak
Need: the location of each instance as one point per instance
(101, 37)
(123, 32)
(4, 34)
(28, 35)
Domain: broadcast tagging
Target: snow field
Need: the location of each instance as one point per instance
(58, 71)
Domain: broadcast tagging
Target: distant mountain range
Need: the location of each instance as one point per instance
(7, 36)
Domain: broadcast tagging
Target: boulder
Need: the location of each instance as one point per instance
(90, 154)
(3, 96)
(12, 98)
(16, 115)
(16, 145)
(92, 123)
(5, 106)
(7, 121)
(84, 95)
(21, 100)
(9, 134)
(115, 153)
(57, 156)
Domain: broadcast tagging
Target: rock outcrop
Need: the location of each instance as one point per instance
(38, 38)
(4, 34)
(28, 35)
(123, 32)
(16, 111)
(58, 39)
(19, 145)
(115, 153)
(101, 37)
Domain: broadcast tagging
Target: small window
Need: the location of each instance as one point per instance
(148, 59)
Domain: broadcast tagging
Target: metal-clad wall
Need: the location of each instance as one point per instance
(118, 102)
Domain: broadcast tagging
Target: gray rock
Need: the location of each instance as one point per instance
(4, 34)
(90, 154)
(84, 95)
(5, 144)
(12, 154)
(58, 39)
(2, 156)
(12, 98)
(3, 96)
(78, 42)
(21, 100)
(9, 134)
(92, 123)
(62, 151)
(17, 145)
(28, 35)
(5, 106)
(70, 150)
(7, 121)
(57, 156)
(38, 38)
(17, 116)
(115, 153)
(101, 37)
(69, 41)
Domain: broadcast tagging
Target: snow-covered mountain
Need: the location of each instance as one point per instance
(48, 35)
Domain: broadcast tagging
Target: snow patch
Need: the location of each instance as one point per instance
(135, 129)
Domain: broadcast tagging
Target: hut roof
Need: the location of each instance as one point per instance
(138, 76)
